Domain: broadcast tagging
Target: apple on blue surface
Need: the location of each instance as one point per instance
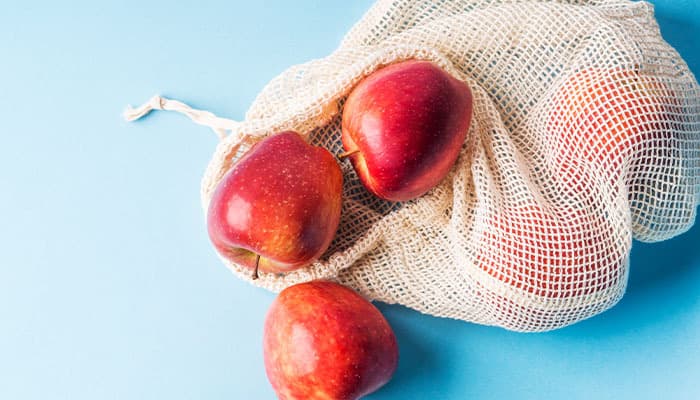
(323, 341)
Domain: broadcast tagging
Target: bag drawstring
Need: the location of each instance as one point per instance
(221, 126)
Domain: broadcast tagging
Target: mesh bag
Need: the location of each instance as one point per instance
(586, 134)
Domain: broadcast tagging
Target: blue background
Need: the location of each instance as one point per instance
(109, 288)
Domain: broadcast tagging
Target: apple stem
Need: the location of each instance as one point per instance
(257, 264)
(347, 154)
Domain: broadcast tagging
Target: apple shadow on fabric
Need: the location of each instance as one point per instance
(361, 210)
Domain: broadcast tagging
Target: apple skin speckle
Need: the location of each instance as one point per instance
(281, 201)
(408, 121)
(322, 340)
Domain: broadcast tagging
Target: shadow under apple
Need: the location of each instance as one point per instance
(426, 354)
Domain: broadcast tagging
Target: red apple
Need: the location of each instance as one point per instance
(551, 256)
(609, 116)
(324, 341)
(278, 208)
(403, 127)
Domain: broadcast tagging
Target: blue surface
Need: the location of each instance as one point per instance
(109, 288)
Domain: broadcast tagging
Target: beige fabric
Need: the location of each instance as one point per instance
(220, 126)
(518, 235)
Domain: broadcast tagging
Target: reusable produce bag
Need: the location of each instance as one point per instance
(585, 135)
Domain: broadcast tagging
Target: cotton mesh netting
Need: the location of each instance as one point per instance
(585, 135)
